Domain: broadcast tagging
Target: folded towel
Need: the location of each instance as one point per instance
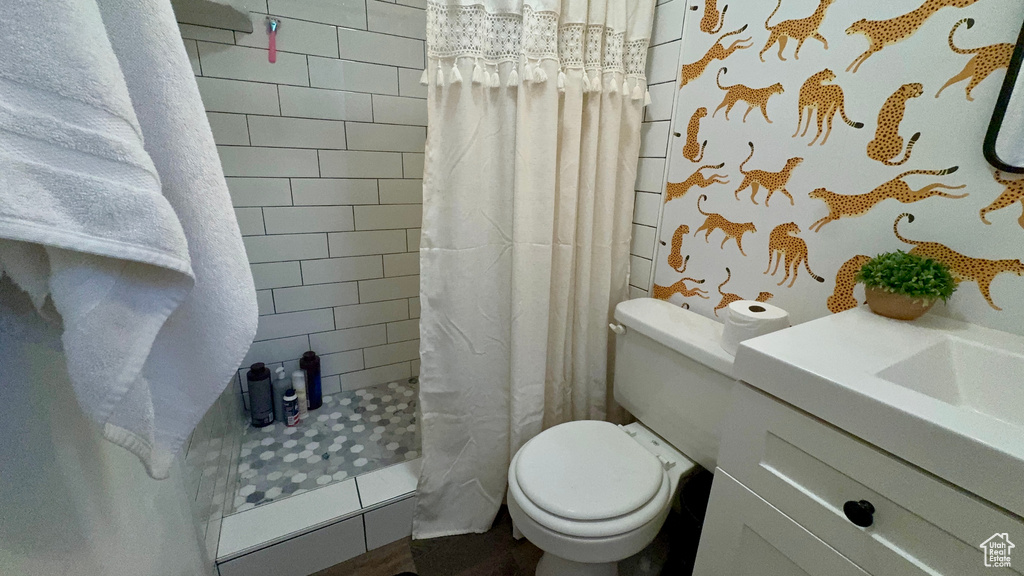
(113, 204)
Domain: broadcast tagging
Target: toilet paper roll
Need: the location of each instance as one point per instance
(748, 319)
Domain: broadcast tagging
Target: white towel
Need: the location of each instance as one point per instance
(113, 204)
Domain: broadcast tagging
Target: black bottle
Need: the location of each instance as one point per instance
(261, 396)
(310, 363)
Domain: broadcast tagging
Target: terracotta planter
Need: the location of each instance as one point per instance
(898, 306)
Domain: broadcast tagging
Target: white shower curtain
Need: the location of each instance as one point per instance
(534, 132)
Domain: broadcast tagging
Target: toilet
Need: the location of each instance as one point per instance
(590, 493)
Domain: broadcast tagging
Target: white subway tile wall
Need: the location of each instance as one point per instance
(662, 70)
(323, 153)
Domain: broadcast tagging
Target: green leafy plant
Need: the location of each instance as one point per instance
(913, 276)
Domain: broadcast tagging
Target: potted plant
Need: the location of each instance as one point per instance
(905, 286)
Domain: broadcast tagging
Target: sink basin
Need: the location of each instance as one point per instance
(944, 395)
(966, 374)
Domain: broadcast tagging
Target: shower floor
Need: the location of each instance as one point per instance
(352, 433)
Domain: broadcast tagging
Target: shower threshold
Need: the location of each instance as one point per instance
(311, 531)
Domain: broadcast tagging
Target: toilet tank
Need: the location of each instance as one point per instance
(673, 375)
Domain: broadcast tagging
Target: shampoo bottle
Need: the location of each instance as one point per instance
(281, 386)
(291, 408)
(310, 363)
(299, 384)
(261, 400)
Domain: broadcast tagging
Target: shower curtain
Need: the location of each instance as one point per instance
(534, 133)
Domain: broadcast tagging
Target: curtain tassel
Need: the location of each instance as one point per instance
(561, 81)
(539, 75)
(528, 72)
(439, 79)
(613, 85)
(456, 76)
(478, 72)
(586, 83)
(424, 78)
(625, 87)
(647, 97)
(495, 79)
(513, 77)
(638, 92)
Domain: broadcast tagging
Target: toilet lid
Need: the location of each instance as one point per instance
(588, 470)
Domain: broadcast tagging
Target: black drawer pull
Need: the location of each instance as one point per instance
(860, 513)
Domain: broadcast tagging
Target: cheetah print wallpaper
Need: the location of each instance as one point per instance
(857, 129)
(713, 20)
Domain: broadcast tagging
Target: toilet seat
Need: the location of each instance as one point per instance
(589, 479)
(588, 470)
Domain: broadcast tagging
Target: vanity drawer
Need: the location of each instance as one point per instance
(745, 536)
(808, 469)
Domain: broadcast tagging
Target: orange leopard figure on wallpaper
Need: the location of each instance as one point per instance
(666, 292)
(963, 268)
(888, 143)
(729, 297)
(675, 190)
(1014, 193)
(771, 181)
(846, 279)
(882, 33)
(826, 99)
(753, 97)
(734, 230)
(712, 21)
(844, 206)
(693, 151)
(799, 30)
(986, 60)
(794, 249)
(716, 52)
(675, 257)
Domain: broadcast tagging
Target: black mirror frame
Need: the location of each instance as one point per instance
(999, 113)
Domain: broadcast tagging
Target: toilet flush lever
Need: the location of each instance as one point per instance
(618, 329)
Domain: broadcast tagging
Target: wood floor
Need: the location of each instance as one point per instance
(493, 553)
(496, 553)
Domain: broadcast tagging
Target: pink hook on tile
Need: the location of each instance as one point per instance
(272, 40)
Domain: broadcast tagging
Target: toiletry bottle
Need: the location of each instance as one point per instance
(261, 398)
(290, 404)
(310, 363)
(281, 385)
(299, 384)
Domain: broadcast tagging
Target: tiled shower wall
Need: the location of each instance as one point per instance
(662, 59)
(211, 464)
(323, 153)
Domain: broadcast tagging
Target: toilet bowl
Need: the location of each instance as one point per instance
(590, 493)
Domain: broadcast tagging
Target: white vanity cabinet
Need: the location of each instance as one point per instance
(790, 491)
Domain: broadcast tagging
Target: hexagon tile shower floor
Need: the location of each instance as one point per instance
(352, 433)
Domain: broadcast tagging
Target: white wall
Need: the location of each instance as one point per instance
(71, 502)
(323, 153)
(662, 60)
